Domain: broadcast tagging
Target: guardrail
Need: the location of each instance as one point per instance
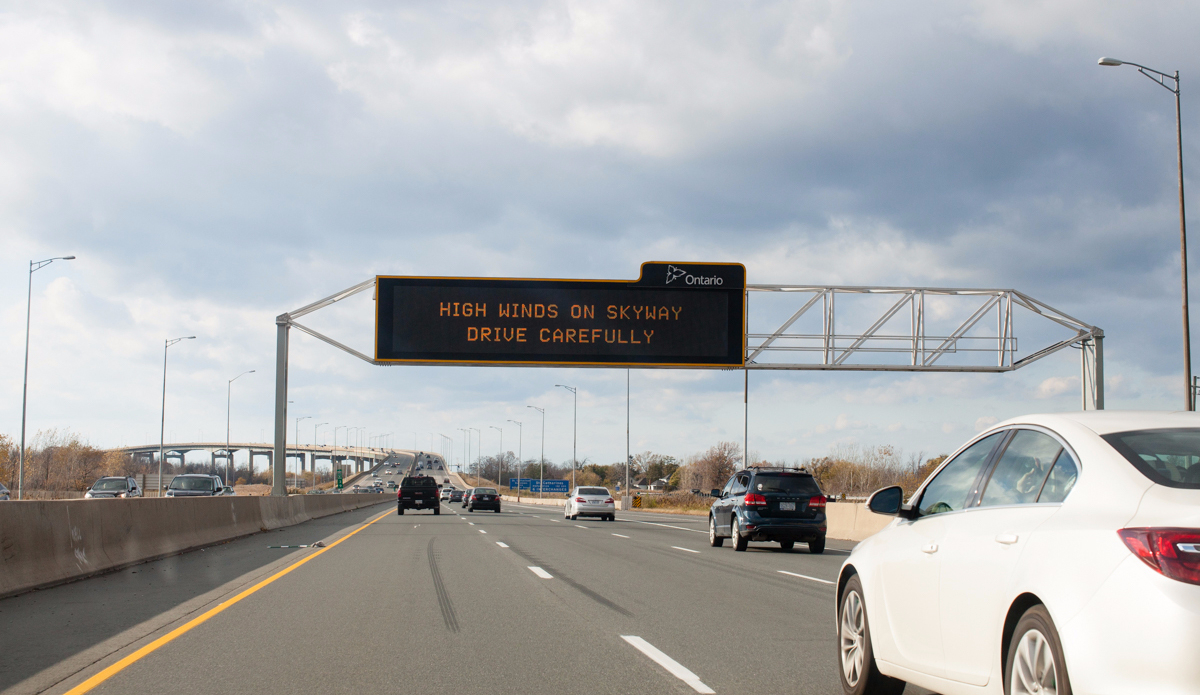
(44, 543)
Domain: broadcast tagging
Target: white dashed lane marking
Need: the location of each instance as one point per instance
(502, 545)
(541, 572)
(805, 576)
(673, 667)
(686, 550)
(620, 536)
(482, 531)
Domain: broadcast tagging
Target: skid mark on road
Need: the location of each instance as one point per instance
(573, 584)
(439, 586)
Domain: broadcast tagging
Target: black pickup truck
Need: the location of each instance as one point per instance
(418, 492)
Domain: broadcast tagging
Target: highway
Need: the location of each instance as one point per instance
(518, 602)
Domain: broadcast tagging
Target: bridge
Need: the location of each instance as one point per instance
(362, 458)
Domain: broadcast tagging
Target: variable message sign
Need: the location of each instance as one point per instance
(674, 315)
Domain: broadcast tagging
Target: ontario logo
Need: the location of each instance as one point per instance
(674, 273)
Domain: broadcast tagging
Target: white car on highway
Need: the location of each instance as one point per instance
(590, 501)
(1053, 554)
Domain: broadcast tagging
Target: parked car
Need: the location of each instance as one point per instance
(113, 486)
(778, 505)
(1046, 543)
(195, 485)
(590, 501)
(483, 498)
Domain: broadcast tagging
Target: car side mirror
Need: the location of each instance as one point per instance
(714, 493)
(888, 501)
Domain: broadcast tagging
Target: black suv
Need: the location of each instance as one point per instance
(769, 504)
(418, 492)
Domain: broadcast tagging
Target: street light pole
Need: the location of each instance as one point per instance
(478, 446)
(162, 431)
(34, 266)
(228, 454)
(542, 458)
(520, 455)
(500, 465)
(1161, 78)
(574, 430)
(314, 457)
(299, 454)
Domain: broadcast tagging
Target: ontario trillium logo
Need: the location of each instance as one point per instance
(674, 273)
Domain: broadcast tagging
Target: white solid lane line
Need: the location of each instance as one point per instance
(686, 550)
(673, 667)
(681, 528)
(805, 576)
(502, 545)
(620, 536)
(541, 572)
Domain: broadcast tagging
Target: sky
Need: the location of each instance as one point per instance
(215, 164)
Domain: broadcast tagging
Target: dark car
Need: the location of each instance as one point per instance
(456, 495)
(113, 486)
(769, 504)
(196, 485)
(418, 492)
(483, 498)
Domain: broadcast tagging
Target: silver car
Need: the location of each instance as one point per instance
(590, 501)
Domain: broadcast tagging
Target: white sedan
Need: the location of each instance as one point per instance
(590, 501)
(1053, 554)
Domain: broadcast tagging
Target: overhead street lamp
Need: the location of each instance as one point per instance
(466, 446)
(520, 455)
(162, 431)
(500, 464)
(228, 454)
(542, 458)
(478, 446)
(1161, 78)
(34, 266)
(574, 429)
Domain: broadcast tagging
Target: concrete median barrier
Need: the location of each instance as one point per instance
(43, 543)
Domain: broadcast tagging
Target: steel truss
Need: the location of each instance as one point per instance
(923, 352)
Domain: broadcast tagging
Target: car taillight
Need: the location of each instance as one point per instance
(610, 501)
(816, 502)
(1172, 552)
(474, 497)
(755, 500)
(580, 499)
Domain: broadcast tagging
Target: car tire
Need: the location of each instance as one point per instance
(400, 511)
(437, 511)
(497, 510)
(471, 509)
(817, 546)
(787, 545)
(1035, 656)
(713, 539)
(739, 542)
(856, 657)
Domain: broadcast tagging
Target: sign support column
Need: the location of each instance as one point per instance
(279, 460)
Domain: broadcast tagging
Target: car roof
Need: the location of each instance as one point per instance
(1108, 421)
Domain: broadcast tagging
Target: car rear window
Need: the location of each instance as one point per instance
(1169, 457)
(593, 491)
(787, 483)
(111, 484)
(485, 490)
(182, 483)
(422, 481)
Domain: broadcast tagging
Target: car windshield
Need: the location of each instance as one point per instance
(787, 483)
(182, 483)
(1167, 457)
(485, 491)
(594, 491)
(111, 484)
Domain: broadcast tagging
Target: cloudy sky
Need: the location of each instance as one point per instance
(214, 164)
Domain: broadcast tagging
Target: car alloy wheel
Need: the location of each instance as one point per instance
(1035, 664)
(740, 543)
(851, 639)
(713, 539)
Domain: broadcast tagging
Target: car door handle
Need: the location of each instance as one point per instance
(930, 549)
(1007, 538)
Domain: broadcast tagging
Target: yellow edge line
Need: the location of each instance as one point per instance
(145, 651)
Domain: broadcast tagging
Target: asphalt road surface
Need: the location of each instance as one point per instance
(518, 602)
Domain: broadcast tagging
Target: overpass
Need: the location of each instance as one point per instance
(362, 458)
